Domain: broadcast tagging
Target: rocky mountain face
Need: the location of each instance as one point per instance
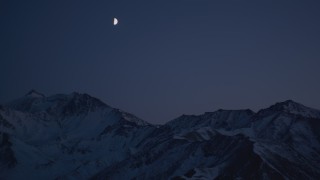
(76, 136)
(62, 136)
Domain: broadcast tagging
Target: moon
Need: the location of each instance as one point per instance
(115, 21)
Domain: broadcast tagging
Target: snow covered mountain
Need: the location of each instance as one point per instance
(76, 136)
(64, 136)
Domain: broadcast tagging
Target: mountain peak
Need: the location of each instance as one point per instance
(35, 94)
(289, 101)
(86, 98)
(290, 106)
(286, 105)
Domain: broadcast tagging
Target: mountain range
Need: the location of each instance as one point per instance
(76, 136)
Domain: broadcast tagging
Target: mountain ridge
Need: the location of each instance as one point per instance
(76, 136)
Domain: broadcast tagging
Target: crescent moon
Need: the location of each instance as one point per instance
(115, 21)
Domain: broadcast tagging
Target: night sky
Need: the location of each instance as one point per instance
(164, 58)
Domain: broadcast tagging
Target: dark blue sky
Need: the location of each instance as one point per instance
(165, 58)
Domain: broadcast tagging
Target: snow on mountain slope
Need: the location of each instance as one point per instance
(221, 156)
(287, 136)
(69, 131)
(76, 136)
(272, 144)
